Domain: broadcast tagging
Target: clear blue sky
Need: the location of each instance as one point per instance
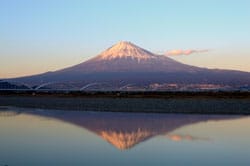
(42, 35)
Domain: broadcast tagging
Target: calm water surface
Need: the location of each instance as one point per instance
(45, 137)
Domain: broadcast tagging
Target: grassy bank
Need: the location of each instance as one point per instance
(129, 94)
(200, 104)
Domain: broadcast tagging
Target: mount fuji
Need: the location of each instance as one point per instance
(127, 63)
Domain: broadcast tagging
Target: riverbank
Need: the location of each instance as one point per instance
(175, 104)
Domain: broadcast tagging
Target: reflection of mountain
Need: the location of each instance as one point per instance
(125, 130)
(125, 140)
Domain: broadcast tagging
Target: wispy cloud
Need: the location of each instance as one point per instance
(184, 52)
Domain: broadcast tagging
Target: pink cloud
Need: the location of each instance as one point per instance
(184, 52)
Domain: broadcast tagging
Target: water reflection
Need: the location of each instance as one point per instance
(7, 112)
(126, 130)
(177, 138)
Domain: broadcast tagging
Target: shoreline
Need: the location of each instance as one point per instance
(238, 105)
(128, 94)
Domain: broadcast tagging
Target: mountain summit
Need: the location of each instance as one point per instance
(125, 50)
(127, 63)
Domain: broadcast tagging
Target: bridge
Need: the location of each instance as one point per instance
(85, 87)
(44, 85)
(9, 85)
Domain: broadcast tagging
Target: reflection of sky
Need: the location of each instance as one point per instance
(32, 139)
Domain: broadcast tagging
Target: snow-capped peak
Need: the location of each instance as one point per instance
(126, 50)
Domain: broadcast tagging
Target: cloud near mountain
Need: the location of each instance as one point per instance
(184, 52)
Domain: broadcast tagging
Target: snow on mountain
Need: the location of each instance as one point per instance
(126, 50)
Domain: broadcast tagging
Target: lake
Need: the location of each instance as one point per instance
(54, 137)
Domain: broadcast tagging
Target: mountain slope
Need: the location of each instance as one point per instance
(128, 63)
(127, 57)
